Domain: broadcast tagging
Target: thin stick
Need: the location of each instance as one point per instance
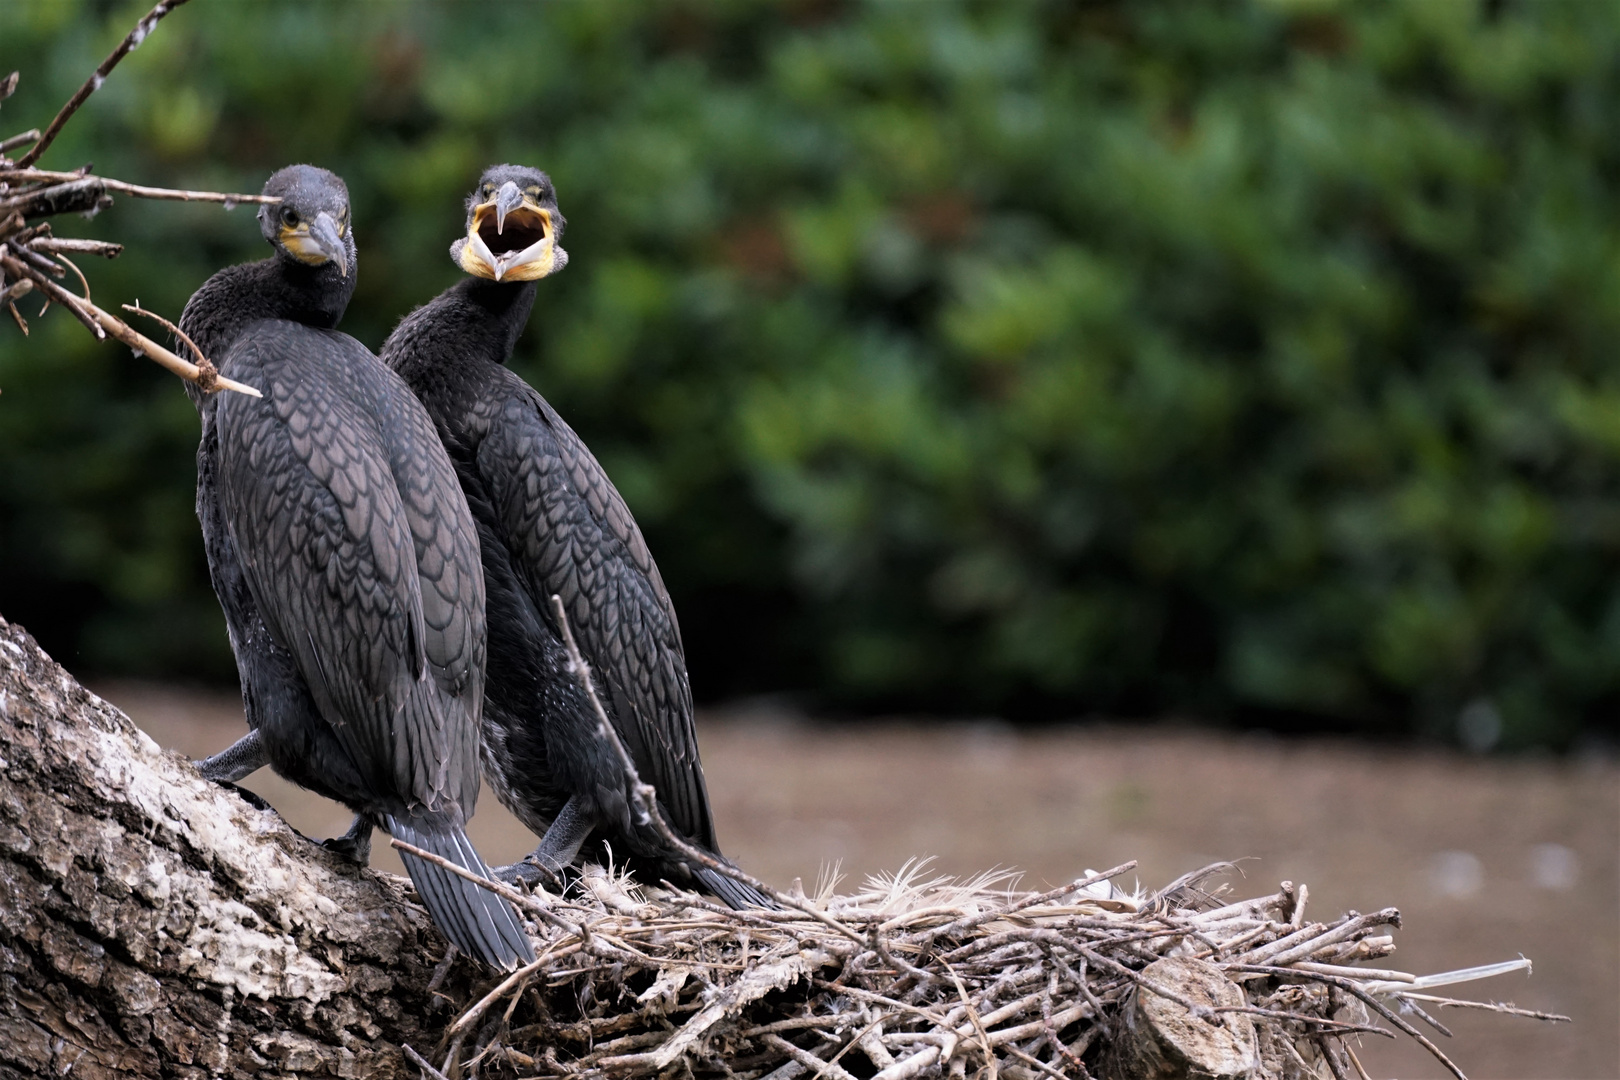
(1325, 1048)
(176, 195)
(428, 1071)
(868, 995)
(18, 268)
(67, 262)
(24, 252)
(138, 190)
(1380, 974)
(978, 1022)
(1351, 1051)
(22, 138)
(131, 41)
(854, 1042)
(1340, 1027)
(1489, 1006)
(16, 291)
(173, 329)
(138, 341)
(1035, 1061)
(806, 1058)
(53, 245)
(1426, 1018)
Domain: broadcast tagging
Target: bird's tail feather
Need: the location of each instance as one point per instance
(480, 923)
(736, 894)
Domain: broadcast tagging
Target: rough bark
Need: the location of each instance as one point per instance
(155, 924)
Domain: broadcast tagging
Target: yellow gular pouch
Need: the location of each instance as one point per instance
(304, 247)
(520, 248)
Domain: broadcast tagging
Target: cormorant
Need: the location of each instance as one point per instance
(551, 523)
(343, 554)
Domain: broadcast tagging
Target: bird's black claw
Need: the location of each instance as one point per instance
(353, 846)
(252, 798)
(357, 851)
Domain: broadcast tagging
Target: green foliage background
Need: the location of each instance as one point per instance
(1243, 360)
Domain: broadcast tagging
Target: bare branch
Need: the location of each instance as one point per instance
(202, 361)
(428, 1071)
(131, 41)
(22, 138)
(121, 330)
(87, 186)
(16, 268)
(56, 245)
(176, 195)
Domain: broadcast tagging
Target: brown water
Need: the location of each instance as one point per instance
(1487, 859)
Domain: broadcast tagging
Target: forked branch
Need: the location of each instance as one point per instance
(131, 42)
(31, 258)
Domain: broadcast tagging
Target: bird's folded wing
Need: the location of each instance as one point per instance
(573, 537)
(328, 551)
(445, 541)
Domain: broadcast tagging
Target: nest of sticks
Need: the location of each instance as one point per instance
(932, 976)
(921, 975)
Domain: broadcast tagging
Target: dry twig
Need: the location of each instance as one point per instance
(30, 255)
(131, 42)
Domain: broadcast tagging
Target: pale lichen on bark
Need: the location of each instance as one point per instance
(155, 924)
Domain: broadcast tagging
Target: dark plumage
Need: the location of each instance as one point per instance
(344, 557)
(551, 523)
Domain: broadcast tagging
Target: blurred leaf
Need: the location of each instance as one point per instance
(1254, 360)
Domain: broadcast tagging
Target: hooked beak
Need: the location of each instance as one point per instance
(509, 198)
(317, 242)
(510, 237)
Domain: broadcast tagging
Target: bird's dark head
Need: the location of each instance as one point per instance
(311, 223)
(513, 227)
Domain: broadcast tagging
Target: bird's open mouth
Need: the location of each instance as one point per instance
(518, 247)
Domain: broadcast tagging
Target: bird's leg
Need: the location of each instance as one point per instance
(559, 847)
(235, 761)
(356, 843)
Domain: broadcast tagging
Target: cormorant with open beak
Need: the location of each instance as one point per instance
(551, 523)
(346, 561)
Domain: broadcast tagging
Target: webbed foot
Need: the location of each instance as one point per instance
(558, 849)
(529, 873)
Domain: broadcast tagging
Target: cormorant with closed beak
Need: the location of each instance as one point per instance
(551, 523)
(343, 554)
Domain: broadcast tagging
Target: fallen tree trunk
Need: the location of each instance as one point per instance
(155, 924)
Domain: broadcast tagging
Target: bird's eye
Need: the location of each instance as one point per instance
(289, 216)
(489, 189)
(534, 189)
